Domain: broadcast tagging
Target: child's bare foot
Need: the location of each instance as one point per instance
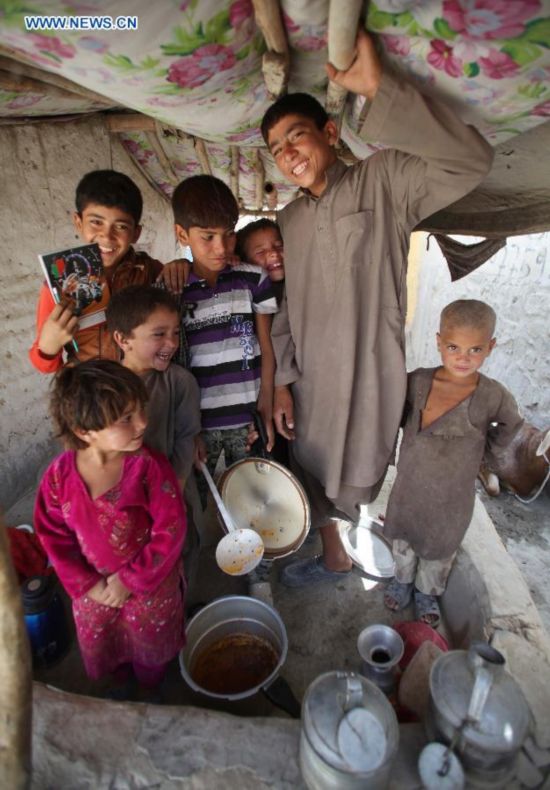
(427, 609)
(397, 595)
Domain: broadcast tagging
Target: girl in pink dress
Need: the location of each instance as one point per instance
(111, 518)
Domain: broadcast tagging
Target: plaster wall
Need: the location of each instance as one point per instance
(516, 283)
(41, 165)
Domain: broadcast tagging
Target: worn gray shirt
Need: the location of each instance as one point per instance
(432, 499)
(339, 336)
(174, 415)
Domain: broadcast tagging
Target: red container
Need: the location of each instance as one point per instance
(414, 633)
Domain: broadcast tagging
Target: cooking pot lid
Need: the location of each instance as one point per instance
(367, 548)
(264, 496)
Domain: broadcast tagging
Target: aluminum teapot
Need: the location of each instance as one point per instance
(480, 710)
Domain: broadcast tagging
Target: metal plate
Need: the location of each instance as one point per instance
(368, 549)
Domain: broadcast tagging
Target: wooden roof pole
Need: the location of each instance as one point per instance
(343, 20)
(19, 69)
(202, 155)
(260, 178)
(276, 61)
(234, 171)
(15, 678)
(155, 141)
(271, 196)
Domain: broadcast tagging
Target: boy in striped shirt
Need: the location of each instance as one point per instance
(226, 317)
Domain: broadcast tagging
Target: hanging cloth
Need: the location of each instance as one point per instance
(465, 258)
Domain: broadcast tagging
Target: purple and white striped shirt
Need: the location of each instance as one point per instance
(224, 350)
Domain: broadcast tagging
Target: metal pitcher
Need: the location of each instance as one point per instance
(349, 734)
(480, 709)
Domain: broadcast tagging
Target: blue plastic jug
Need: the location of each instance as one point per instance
(45, 620)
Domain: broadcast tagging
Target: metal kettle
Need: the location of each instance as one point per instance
(480, 710)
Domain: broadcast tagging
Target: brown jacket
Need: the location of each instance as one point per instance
(137, 268)
(339, 337)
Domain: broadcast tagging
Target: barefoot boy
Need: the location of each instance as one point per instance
(108, 213)
(339, 336)
(450, 413)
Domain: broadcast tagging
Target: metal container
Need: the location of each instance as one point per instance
(349, 734)
(263, 495)
(479, 708)
(45, 620)
(381, 649)
(236, 615)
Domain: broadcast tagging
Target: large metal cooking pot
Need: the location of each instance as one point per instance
(478, 706)
(238, 615)
(263, 495)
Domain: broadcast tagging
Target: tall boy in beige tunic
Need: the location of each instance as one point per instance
(339, 337)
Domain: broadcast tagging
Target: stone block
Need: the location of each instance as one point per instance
(527, 773)
(414, 687)
(540, 757)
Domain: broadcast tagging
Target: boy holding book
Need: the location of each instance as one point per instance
(108, 213)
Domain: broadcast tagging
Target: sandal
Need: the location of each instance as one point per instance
(427, 609)
(398, 592)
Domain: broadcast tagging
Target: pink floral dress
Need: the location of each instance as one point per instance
(137, 529)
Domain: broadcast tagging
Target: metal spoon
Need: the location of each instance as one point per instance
(241, 550)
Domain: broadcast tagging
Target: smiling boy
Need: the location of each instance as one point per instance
(339, 336)
(145, 324)
(108, 213)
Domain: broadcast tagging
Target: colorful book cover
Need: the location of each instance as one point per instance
(75, 278)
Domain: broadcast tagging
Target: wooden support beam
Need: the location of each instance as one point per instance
(276, 61)
(271, 195)
(260, 179)
(155, 141)
(13, 63)
(15, 679)
(130, 122)
(234, 171)
(202, 156)
(343, 20)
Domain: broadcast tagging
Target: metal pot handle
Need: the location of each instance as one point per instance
(280, 694)
(486, 662)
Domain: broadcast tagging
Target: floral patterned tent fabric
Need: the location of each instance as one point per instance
(195, 66)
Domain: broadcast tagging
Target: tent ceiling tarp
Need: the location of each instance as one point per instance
(185, 92)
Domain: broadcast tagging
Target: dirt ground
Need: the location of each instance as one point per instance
(525, 531)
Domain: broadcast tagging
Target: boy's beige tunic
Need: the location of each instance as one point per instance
(339, 338)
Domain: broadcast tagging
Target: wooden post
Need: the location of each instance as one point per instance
(15, 679)
(343, 20)
(276, 61)
(202, 156)
(260, 178)
(270, 195)
(234, 171)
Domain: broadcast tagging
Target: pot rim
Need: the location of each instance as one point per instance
(261, 605)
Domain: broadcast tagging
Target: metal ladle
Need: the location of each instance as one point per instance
(241, 550)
